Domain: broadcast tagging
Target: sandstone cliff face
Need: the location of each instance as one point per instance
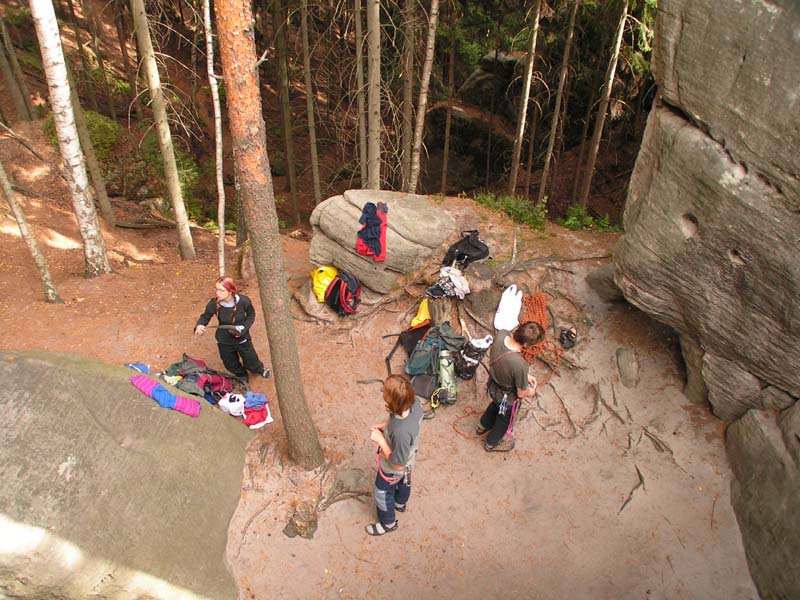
(107, 495)
(712, 245)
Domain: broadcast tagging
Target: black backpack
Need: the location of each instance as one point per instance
(468, 360)
(470, 248)
(343, 293)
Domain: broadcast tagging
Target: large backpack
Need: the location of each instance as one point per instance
(408, 340)
(343, 293)
(432, 364)
(470, 248)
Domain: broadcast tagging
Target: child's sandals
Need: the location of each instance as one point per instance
(376, 529)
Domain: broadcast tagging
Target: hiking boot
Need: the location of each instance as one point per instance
(266, 374)
(505, 445)
(480, 429)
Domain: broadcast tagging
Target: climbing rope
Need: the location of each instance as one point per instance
(534, 308)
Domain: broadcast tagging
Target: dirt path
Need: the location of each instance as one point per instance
(544, 521)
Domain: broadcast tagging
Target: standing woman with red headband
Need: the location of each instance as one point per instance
(236, 316)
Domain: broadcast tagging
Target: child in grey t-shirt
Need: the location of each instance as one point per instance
(397, 447)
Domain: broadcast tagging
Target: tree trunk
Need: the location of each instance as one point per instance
(523, 106)
(559, 94)
(531, 148)
(193, 54)
(577, 176)
(559, 146)
(237, 49)
(491, 124)
(17, 76)
(87, 72)
(218, 155)
(185, 243)
(88, 150)
(281, 23)
(362, 125)
(11, 84)
(94, 248)
(374, 124)
(407, 127)
(119, 21)
(422, 105)
(312, 130)
(605, 95)
(50, 293)
(451, 86)
(100, 63)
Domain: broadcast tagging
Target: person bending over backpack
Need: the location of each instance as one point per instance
(509, 381)
(397, 441)
(236, 315)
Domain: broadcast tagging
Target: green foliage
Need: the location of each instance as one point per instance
(103, 132)
(578, 218)
(188, 173)
(30, 61)
(119, 87)
(521, 210)
(20, 17)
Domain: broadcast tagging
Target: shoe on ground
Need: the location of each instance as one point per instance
(376, 529)
(266, 374)
(505, 445)
(401, 507)
(480, 429)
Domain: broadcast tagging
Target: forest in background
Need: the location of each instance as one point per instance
(147, 133)
(486, 43)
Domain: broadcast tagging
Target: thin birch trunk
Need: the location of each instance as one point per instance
(19, 77)
(312, 130)
(248, 134)
(185, 243)
(605, 96)
(91, 158)
(374, 94)
(557, 109)
(94, 248)
(212, 80)
(422, 105)
(523, 106)
(451, 85)
(407, 127)
(362, 125)
(50, 293)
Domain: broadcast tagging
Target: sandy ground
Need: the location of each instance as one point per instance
(561, 516)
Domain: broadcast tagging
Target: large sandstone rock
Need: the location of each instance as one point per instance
(766, 499)
(731, 391)
(711, 250)
(712, 226)
(107, 495)
(416, 226)
(732, 68)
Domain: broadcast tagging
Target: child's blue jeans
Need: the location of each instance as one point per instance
(386, 494)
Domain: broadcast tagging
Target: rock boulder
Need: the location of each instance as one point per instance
(107, 495)
(415, 227)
